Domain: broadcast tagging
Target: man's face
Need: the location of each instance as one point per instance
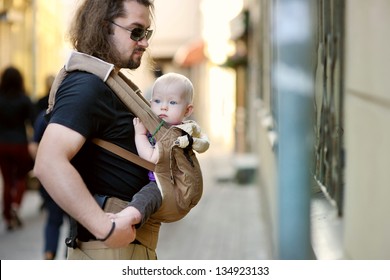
(130, 51)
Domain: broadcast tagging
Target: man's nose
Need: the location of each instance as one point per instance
(143, 42)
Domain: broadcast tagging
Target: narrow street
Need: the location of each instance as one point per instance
(227, 223)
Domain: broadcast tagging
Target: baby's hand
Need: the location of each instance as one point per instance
(139, 127)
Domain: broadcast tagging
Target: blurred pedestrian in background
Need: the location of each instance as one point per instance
(16, 113)
(41, 103)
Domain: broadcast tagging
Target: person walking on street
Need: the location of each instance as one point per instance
(70, 166)
(16, 112)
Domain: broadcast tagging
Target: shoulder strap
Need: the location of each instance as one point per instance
(131, 96)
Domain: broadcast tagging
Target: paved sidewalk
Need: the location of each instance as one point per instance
(26, 243)
(226, 224)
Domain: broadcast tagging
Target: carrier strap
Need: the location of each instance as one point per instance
(132, 97)
(124, 154)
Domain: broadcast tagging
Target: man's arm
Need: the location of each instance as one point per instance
(58, 146)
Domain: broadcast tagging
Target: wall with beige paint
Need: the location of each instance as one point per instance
(367, 130)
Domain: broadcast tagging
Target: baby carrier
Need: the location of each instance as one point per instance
(177, 172)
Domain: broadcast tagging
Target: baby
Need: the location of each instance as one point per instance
(172, 96)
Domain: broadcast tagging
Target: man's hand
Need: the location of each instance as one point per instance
(124, 232)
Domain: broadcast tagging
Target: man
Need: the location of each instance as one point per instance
(69, 165)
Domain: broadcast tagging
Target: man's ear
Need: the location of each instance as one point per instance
(189, 110)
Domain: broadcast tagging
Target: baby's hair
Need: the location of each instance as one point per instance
(171, 78)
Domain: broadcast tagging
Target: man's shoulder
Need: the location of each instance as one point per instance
(84, 76)
(84, 81)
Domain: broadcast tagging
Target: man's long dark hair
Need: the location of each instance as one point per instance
(91, 27)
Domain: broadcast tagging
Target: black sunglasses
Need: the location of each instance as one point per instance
(137, 34)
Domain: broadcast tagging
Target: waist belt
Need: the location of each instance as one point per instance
(114, 205)
(147, 235)
(95, 245)
(78, 234)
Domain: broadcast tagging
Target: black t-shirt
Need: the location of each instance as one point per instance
(85, 104)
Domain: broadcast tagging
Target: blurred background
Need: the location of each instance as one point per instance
(294, 97)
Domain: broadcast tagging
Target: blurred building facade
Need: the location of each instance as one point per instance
(32, 39)
(299, 84)
(346, 137)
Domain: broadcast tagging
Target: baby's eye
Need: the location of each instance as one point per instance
(172, 102)
(157, 101)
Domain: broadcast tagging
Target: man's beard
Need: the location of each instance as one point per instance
(135, 63)
(132, 64)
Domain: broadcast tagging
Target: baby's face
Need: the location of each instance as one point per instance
(169, 103)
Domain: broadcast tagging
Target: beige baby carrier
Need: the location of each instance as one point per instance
(177, 172)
